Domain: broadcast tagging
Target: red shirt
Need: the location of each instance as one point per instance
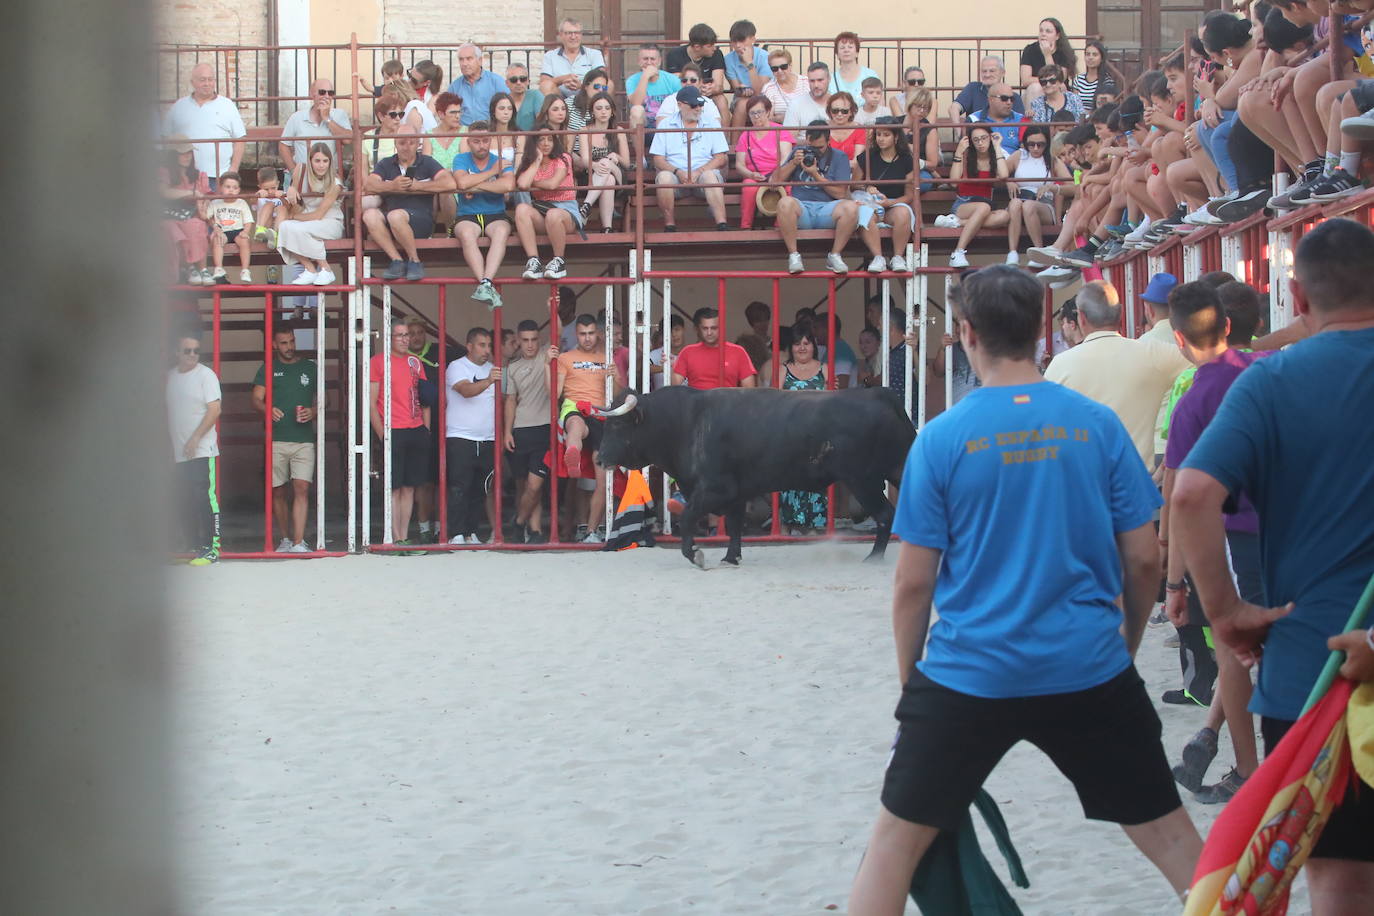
(700, 366)
(406, 372)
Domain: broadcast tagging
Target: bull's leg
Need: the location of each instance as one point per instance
(687, 527)
(734, 521)
(870, 495)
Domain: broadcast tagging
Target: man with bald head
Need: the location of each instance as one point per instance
(206, 115)
(321, 122)
(974, 96)
(1001, 110)
(407, 182)
(475, 85)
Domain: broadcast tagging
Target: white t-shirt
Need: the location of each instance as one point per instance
(189, 396)
(801, 111)
(469, 418)
(428, 122)
(300, 125)
(218, 117)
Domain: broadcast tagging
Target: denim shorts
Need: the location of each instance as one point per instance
(816, 214)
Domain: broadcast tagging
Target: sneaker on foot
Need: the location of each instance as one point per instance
(260, 234)
(1222, 792)
(1158, 618)
(306, 278)
(245, 276)
(1046, 256)
(1181, 698)
(959, 258)
(594, 537)
(1361, 127)
(1233, 211)
(458, 539)
(206, 557)
(284, 546)
(1338, 184)
(394, 271)
(324, 277)
(1082, 258)
(1298, 194)
(1054, 275)
(484, 291)
(897, 264)
(219, 277)
(533, 269)
(556, 269)
(794, 263)
(1013, 258)
(877, 265)
(299, 548)
(947, 221)
(1198, 754)
(580, 534)
(415, 270)
(836, 264)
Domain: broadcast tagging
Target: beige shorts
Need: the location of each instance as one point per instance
(292, 461)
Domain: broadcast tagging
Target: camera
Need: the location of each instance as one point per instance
(808, 159)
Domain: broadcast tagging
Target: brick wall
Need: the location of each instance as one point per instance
(242, 75)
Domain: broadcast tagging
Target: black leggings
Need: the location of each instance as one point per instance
(1253, 158)
(199, 503)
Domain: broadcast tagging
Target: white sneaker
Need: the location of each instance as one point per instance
(897, 264)
(1361, 127)
(794, 263)
(245, 276)
(284, 546)
(877, 265)
(836, 264)
(947, 221)
(867, 524)
(306, 278)
(1013, 258)
(299, 548)
(533, 270)
(458, 539)
(195, 278)
(1046, 256)
(1137, 235)
(474, 539)
(324, 277)
(1058, 277)
(959, 258)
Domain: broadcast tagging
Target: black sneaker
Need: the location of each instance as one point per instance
(1082, 258)
(1222, 792)
(394, 271)
(1181, 698)
(1338, 184)
(1198, 755)
(1298, 195)
(1233, 211)
(1110, 250)
(414, 270)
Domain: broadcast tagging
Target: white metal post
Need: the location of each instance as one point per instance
(348, 341)
(384, 347)
(1130, 297)
(632, 329)
(610, 395)
(320, 415)
(1192, 262)
(886, 330)
(646, 322)
(1230, 257)
(949, 351)
(667, 380)
(365, 439)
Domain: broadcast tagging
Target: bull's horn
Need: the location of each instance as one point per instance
(623, 409)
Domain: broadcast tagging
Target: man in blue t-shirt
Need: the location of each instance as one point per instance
(1000, 111)
(483, 182)
(816, 206)
(650, 87)
(1292, 435)
(1024, 513)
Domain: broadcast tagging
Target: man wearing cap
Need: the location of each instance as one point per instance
(206, 115)
(1156, 299)
(1001, 110)
(813, 206)
(689, 158)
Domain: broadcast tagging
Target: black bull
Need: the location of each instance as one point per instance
(729, 445)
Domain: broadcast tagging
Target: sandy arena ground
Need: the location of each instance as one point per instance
(575, 733)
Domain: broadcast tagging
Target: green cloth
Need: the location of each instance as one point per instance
(293, 385)
(956, 879)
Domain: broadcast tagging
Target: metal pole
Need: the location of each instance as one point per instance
(554, 400)
(777, 381)
(348, 340)
(609, 486)
(215, 335)
(949, 350)
(319, 421)
(830, 386)
(886, 332)
(267, 424)
(497, 443)
(440, 425)
(922, 345)
(384, 347)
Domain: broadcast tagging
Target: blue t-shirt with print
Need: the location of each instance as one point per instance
(1292, 436)
(479, 202)
(834, 166)
(1024, 489)
(664, 85)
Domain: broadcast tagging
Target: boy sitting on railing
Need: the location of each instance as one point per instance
(230, 215)
(271, 210)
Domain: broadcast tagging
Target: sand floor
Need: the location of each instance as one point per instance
(574, 733)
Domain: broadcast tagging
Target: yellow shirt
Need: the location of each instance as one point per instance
(1129, 376)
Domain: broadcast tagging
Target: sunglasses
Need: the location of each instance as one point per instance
(328, 92)
(1035, 144)
(776, 67)
(696, 104)
(395, 114)
(517, 79)
(919, 82)
(692, 81)
(843, 111)
(1004, 98)
(190, 351)
(1049, 81)
(599, 87)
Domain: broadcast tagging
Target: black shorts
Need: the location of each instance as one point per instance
(1363, 94)
(410, 451)
(1349, 834)
(1105, 739)
(483, 220)
(595, 428)
(531, 447)
(421, 221)
(1244, 559)
(230, 235)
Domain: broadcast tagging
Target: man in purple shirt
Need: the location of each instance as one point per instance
(1200, 327)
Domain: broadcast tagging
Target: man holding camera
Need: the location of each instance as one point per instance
(815, 204)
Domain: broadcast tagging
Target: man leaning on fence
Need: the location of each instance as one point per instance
(295, 403)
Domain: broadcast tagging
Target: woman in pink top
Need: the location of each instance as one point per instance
(760, 149)
(546, 172)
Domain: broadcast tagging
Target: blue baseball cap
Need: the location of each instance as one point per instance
(692, 96)
(1161, 285)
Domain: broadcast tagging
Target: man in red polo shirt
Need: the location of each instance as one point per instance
(698, 365)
